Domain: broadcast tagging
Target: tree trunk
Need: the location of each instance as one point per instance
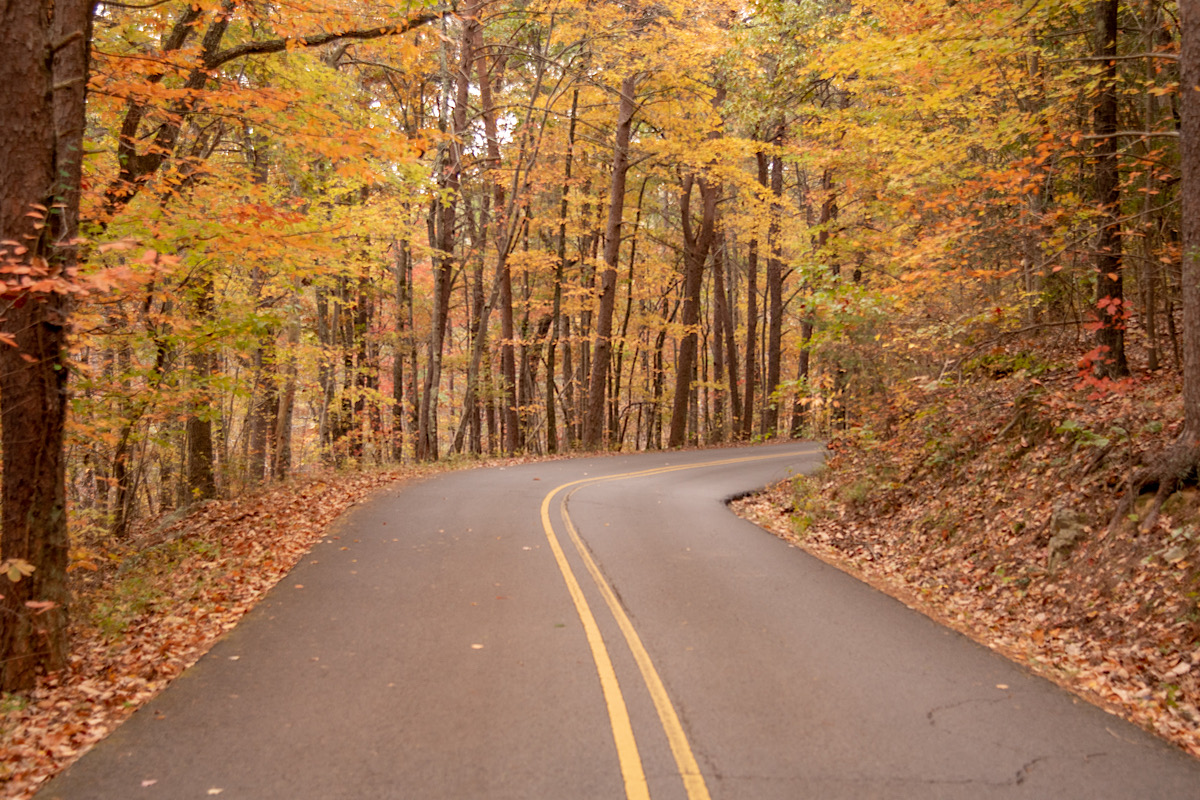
(400, 266)
(264, 410)
(696, 245)
(443, 217)
(593, 425)
(770, 412)
(719, 421)
(727, 303)
(752, 317)
(281, 465)
(614, 428)
(201, 475)
(1189, 146)
(43, 74)
(326, 319)
(558, 328)
(1110, 306)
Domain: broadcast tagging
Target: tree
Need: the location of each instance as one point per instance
(1110, 299)
(1182, 460)
(42, 87)
(593, 423)
(697, 241)
(1189, 145)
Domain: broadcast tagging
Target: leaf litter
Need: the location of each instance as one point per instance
(986, 506)
(146, 609)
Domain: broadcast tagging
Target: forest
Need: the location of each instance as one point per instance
(358, 233)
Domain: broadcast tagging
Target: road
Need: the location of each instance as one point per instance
(604, 628)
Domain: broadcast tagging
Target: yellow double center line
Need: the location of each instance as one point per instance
(636, 787)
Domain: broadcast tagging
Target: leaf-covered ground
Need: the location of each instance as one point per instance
(148, 608)
(987, 507)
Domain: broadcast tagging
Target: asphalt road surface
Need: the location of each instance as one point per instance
(604, 628)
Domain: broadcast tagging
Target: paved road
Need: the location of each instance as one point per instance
(604, 628)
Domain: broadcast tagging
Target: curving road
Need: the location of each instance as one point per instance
(604, 628)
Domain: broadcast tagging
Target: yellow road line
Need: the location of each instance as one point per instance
(636, 787)
(627, 752)
(689, 770)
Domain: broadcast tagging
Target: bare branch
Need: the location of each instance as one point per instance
(1106, 59)
(316, 40)
(1137, 134)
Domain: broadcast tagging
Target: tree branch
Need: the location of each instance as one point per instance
(1106, 59)
(1138, 134)
(316, 40)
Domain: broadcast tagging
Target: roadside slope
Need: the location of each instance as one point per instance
(987, 507)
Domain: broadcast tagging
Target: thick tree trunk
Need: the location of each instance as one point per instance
(33, 417)
(43, 74)
(1189, 146)
(480, 331)
(201, 479)
(654, 432)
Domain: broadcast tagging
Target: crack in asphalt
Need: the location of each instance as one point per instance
(1023, 772)
(933, 712)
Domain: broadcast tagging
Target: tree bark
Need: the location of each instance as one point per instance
(1189, 146)
(402, 257)
(696, 244)
(281, 465)
(559, 329)
(43, 75)
(201, 475)
(747, 421)
(614, 427)
(770, 412)
(1110, 305)
(443, 216)
(593, 427)
(264, 410)
(720, 423)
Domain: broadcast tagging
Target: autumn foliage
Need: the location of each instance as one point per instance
(400, 243)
